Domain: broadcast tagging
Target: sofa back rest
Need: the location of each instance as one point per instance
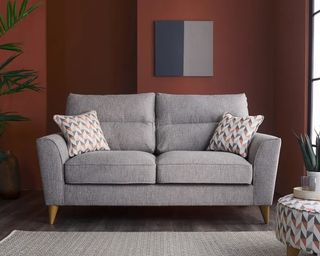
(127, 121)
(187, 122)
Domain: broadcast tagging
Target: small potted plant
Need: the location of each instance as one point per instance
(311, 156)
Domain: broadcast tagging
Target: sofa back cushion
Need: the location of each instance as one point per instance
(187, 122)
(127, 121)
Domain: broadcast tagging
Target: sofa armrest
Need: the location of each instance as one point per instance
(264, 154)
(52, 153)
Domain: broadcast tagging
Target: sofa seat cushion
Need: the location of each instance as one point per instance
(111, 167)
(203, 167)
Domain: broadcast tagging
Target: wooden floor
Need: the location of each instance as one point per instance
(29, 213)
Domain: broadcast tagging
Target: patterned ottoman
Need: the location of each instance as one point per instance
(298, 224)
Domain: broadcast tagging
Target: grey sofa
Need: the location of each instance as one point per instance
(158, 156)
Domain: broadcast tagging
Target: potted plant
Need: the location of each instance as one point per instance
(11, 82)
(311, 156)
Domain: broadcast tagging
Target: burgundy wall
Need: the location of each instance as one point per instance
(243, 52)
(20, 137)
(91, 50)
(291, 83)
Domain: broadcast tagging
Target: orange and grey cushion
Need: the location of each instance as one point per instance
(82, 132)
(233, 134)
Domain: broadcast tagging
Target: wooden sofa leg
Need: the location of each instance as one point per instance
(265, 211)
(53, 209)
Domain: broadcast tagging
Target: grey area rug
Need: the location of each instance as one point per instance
(141, 244)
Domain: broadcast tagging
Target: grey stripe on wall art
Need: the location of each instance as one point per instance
(183, 48)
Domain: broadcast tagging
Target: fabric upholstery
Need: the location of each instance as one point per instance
(203, 167)
(111, 167)
(82, 132)
(264, 154)
(184, 122)
(52, 154)
(233, 134)
(130, 119)
(159, 195)
(187, 122)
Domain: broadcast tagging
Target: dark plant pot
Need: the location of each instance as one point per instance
(9, 177)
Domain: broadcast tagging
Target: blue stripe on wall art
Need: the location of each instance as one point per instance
(169, 48)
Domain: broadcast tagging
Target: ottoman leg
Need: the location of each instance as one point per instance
(292, 251)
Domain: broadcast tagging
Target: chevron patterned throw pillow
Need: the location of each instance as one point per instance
(234, 134)
(82, 132)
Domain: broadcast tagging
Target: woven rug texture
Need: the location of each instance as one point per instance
(36, 243)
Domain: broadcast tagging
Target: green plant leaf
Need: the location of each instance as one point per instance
(310, 151)
(8, 61)
(13, 17)
(15, 47)
(3, 25)
(23, 8)
(19, 73)
(31, 9)
(305, 155)
(318, 151)
(296, 135)
(12, 117)
(16, 81)
(6, 117)
(9, 13)
(14, 11)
